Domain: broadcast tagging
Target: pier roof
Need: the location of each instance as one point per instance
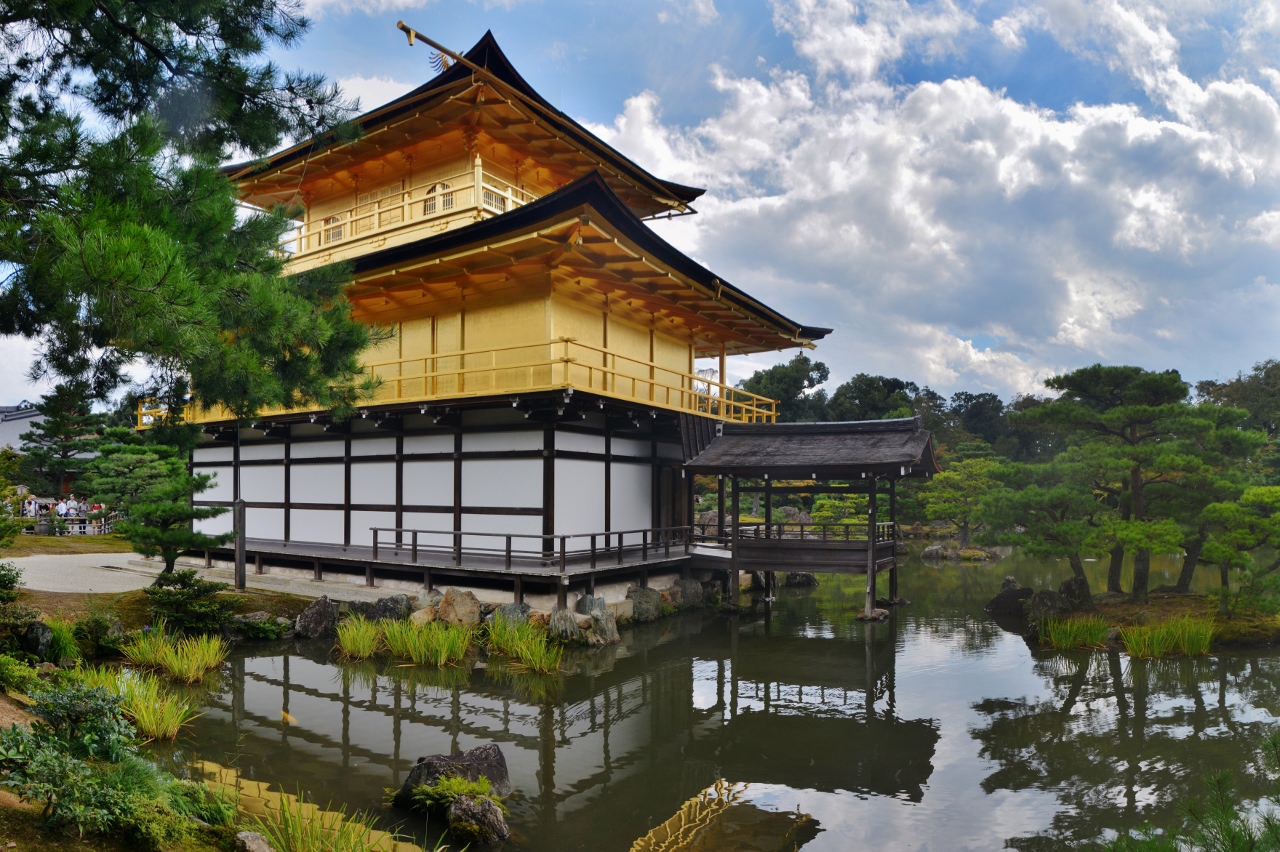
(894, 448)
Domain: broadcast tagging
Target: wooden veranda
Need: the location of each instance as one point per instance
(855, 458)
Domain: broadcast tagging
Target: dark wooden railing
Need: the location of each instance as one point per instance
(710, 533)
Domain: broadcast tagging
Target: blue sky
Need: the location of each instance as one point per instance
(975, 195)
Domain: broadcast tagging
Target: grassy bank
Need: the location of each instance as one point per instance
(65, 545)
(1245, 627)
(131, 607)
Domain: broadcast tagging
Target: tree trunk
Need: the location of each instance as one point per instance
(1113, 570)
(1077, 566)
(964, 534)
(1141, 574)
(1193, 548)
(755, 505)
(169, 562)
(1224, 575)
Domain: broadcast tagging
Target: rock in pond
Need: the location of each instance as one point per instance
(933, 551)
(1009, 600)
(690, 592)
(394, 608)
(1010, 583)
(251, 841)
(484, 761)
(1043, 605)
(477, 820)
(432, 598)
(648, 603)
(604, 628)
(459, 608)
(424, 615)
(316, 620)
(512, 613)
(800, 579)
(588, 604)
(563, 624)
(1074, 592)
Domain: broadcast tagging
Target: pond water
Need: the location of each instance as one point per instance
(791, 726)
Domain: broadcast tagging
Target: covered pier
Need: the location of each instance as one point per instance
(853, 458)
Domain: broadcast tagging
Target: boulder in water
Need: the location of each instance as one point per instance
(563, 624)
(1009, 600)
(1075, 594)
(1044, 605)
(690, 592)
(800, 580)
(513, 613)
(933, 551)
(394, 608)
(316, 620)
(1010, 583)
(647, 603)
(484, 761)
(461, 608)
(251, 841)
(478, 820)
(604, 628)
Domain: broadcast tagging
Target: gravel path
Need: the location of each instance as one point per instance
(81, 572)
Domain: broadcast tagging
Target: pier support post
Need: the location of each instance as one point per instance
(316, 573)
(239, 526)
(257, 563)
(871, 554)
(893, 520)
(734, 592)
(519, 589)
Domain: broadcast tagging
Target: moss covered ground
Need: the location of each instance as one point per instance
(1244, 627)
(64, 545)
(131, 607)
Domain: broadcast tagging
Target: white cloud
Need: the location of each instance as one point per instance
(920, 219)
(373, 92)
(701, 12)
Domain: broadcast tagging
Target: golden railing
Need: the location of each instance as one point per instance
(414, 206)
(564, 363)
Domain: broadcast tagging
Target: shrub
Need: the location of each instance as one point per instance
(64, 646)
(358, 638)
(296, 827)
(17, 676)
(447, 788)
(1065, 634)
(88, 719)
(157, 713)
(10, 582)
(190, 603)
(199, 800)
(268, 628)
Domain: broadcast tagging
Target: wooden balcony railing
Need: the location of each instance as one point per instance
(411, 208)
(564, 363)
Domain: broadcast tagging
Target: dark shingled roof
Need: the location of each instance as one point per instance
(893, 448)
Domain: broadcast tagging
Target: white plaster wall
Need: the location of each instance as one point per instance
(215, 526)
(373, 447)
(579, 443)
(430, 521)
(262, 484)
(489, 441)
(316, 483)
(631, 503)
(442, 443)
(428, 483)
(631, 447)
(263, 523)
(221, 488)
(213, 454)
(262, 451)
(361, 521)
(511, 483)
(504, 524)
(579, 496)
(319, 525)
(374, 483)
(316, 449)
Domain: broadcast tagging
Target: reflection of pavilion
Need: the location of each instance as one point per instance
(658, 723)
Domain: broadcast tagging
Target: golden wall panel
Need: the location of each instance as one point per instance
(504, 327)
(586, 326)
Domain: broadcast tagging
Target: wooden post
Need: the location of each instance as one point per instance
(733, 547)
(724, 382)
(519, 590)
(239, 527)
(368, 574)
(768, 507)
(257, 563)
(893, 520)
(316, 573)
(871, 554)
(720, 507)
(208, 559)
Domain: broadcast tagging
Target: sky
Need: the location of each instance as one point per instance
(974, 195)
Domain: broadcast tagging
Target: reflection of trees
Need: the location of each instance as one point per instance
(1122, 742)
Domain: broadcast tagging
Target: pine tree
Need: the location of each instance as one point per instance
(956, 494)
(125, 244)
(59, 444)
(150, 487)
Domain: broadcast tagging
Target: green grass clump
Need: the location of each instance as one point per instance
(359, 638)
(1185, 634)
(299, 827)
(157, 713)
(147, 647)
(1066, 634)
(448, 788)
(188, 660)
(525, 643)
(433, 644)
(64, 646)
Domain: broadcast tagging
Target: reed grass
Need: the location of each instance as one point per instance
(433, 644)
(155, 711)
(299, 827)
(525, 643)
(1185, 634)
(359, 638)
(189, 659)
(64, 646)
(147, 647)
(1067, 634)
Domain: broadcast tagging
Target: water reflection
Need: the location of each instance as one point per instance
(936, 729)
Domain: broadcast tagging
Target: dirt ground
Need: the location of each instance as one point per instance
(38, 545)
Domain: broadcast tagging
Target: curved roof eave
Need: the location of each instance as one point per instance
(487, 54)
(592, 191)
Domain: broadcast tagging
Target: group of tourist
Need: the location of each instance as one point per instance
(77, 513)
